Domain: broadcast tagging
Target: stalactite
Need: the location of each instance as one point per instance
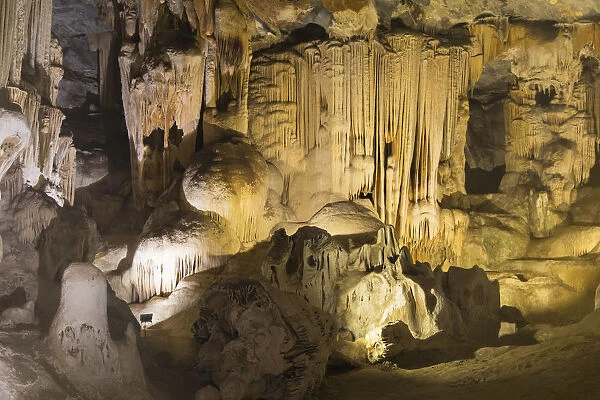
(8, 27)
(14, 136)
(55, 71)
(33, 212)
(12, 182)
(228, 58)
(164, 97)
(38, 45)
(23, 10)
(103, 42)
(29, 102)
(65, 168)
(385, 117)
(190, 244)
(49, 130)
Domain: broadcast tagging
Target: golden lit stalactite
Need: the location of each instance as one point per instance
(8, 26)
(65, 168)
(192, 243)
(369, 135)
(38, 45)
(161, 100)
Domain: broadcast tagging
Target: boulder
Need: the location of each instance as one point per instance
(258, 342)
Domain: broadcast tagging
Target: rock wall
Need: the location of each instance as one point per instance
(30, 72)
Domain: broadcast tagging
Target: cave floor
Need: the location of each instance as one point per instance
(564, 365)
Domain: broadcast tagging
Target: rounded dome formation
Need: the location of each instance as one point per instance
(341, 218)
(81, 344)
(82, 299)
(228, 179)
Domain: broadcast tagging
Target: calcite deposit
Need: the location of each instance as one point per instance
(243, 199)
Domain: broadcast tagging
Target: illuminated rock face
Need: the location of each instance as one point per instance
(229, 180)
(368, 284)
(551, 111)
(258, 342)
(188, 244)
(162, 102)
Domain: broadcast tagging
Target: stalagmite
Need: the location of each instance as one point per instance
(80, 339)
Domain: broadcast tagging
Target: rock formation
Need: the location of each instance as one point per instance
(165, 255)
(283, 163)
(257, 342)
(80, 340)
(368, 283)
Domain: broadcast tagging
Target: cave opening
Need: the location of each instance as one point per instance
(486, 133)
(544, 96)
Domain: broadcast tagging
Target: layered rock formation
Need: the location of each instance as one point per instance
(369, 284)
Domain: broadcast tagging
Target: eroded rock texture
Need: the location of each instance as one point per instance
(257, 342)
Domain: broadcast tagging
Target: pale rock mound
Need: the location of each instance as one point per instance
(82, 346)
(18, 315)
(341, 218)
(227, 180)
(571, 241)
(258, 342)
(549, 290)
